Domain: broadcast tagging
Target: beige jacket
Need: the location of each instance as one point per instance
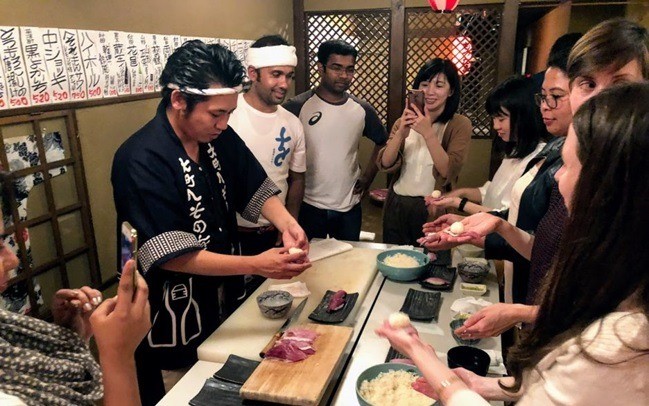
(455, 141)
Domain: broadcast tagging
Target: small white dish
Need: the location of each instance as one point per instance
(473, 289)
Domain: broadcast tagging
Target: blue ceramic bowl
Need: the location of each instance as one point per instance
(374, 371)
(403, 274)
(457, 323)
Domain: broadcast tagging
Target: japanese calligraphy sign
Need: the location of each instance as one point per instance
(74, 63)
(57, 70)
(13, 65)
(33, 51)
(92, 65)
(120, 69)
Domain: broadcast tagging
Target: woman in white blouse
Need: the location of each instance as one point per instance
(518, 122)
(590, 342)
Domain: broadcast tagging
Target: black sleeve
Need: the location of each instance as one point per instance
(374, 128)
(251, 184)
(495, 247)
(294, 105)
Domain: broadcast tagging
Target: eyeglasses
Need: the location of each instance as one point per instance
(551, 100)
(338, 70)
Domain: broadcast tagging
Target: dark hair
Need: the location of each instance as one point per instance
(269, 41)
(431, 69)
(335, 46)
(610, 44)
(516, 94)
(603, 259)
(199, 65)
(561, 49)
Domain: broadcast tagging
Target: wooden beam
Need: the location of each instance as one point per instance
(397, 61)
(507, 45)
(299, 41)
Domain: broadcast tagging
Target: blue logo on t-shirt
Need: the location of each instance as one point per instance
(315, 118)
(282, 151)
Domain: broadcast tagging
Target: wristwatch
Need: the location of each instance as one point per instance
(463, 201)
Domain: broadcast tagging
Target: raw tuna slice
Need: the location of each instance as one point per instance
(301, 333)
(436, 281)
(287, 351)
(337, 301)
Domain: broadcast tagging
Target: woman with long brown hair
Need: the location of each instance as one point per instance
(590, 342)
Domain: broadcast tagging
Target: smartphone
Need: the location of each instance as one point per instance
(129, 247)
(416, 97)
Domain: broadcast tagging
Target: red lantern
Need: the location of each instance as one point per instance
(443, 5)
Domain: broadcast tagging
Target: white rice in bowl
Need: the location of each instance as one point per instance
(393, 388)
(401, 260)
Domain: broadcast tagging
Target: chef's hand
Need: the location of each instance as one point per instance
(72, 308)
(277, 263)
(121, 322)
(294, 236)
(403, 340)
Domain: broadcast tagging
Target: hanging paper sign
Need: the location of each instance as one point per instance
(120, 68)
(136, 76)
(92, 65)
(74, 63)
(32, 46)
(157, 58)
(57, 70)
(14, 68)
(107, 64)
(177, 41)
(443, 5)
(146, 62)
(4, 102)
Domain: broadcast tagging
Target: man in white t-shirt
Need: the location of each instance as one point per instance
(274, 135)
(334, 122)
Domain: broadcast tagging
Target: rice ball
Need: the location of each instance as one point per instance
(436, 194)
(457, 228)
(399, 320)
(295, 250)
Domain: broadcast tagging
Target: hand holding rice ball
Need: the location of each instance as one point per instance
(457, 228)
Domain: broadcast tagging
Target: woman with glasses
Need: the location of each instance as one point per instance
(426, 150)
(517, 122)
(615, 51)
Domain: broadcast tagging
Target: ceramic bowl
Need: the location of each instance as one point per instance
(274, 304)
(473, 270)
(455, 324)
(403, 274)
(471, 358)
(374, 371)
(470, 251)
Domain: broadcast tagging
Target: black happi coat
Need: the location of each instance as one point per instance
(179, 206)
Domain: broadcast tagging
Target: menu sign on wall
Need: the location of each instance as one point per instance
(57, 71)
(14, 67)
(40, 66)
(33, 51)
(74, 63)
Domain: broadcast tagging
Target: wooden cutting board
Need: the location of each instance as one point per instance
(304, 382)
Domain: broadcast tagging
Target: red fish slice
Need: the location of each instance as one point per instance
(337, 301)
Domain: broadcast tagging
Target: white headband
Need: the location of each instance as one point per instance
(206, 92)
(276, 55)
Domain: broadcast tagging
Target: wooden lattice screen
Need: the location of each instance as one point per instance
(469, 38)
(369, 32)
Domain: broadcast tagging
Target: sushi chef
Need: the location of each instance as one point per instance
(179, 181)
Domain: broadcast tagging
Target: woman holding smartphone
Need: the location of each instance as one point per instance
(426, 150)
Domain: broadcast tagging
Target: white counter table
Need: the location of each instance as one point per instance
(365, 349)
